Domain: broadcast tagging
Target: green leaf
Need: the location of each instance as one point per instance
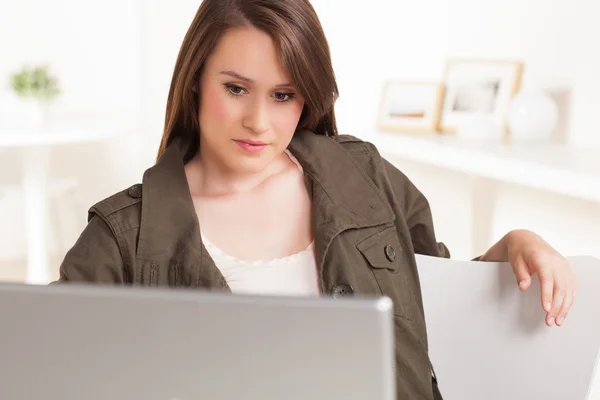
(35, 83)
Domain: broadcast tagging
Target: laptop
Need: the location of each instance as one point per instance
(73, 342)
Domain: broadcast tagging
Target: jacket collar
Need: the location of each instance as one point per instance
(343, 193)
(343, 197)
(168, 223)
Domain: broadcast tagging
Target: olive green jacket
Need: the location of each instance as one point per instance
(369, 220)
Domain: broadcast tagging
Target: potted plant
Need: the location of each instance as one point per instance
(36, 88)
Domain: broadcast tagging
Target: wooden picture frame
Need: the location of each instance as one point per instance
(482, 88)
(410, 107)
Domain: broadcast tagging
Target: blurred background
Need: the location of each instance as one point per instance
(490, 107)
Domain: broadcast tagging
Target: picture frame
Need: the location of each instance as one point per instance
(410, 107)
(478, 88)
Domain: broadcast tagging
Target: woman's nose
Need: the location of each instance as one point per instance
(256, 117)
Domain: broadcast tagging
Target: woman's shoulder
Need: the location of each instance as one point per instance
(328, 147)
(346, 141)
(368, 157)
(123, 206)
(356, 162)
(346, 154)
(357, 146)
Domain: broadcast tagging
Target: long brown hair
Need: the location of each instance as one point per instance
(301, 46)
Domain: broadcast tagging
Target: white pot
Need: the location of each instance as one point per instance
(37, 115)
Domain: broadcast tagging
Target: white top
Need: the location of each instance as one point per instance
(294, 275)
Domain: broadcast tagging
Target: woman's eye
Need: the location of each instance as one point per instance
(283, 97)
(234, 89)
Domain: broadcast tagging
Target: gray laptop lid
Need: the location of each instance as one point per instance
(488, 340)
(71, 342)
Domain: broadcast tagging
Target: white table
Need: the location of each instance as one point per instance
(34, 149)
(551, 167)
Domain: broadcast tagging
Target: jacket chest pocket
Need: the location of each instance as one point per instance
(396, 276)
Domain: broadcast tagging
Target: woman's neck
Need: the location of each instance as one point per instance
(208, 177)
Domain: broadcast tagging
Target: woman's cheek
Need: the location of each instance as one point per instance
(219, 105)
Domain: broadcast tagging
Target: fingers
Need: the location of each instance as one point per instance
(569, 299)
(566, 306)
(563, 296)
(522, 273)
(558, 301)
(557, 283)
(547, 289)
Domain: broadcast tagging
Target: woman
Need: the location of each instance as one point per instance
(254, 191)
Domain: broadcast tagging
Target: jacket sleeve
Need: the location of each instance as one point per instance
(95, 257)
(417, 212)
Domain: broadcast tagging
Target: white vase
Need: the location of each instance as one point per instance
(37, 115)
(532, 116)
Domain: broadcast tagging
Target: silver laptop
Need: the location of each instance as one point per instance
(72, 342)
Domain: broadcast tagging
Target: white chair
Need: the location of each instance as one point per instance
(488, 340)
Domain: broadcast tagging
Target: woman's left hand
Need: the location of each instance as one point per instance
(529, 255)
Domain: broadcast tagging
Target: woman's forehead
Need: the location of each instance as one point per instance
(249, 53)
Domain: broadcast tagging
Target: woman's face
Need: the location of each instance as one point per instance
(249, 109)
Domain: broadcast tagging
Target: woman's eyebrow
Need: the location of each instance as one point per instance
(235, 75)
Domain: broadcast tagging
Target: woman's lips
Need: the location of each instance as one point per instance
(251, 146)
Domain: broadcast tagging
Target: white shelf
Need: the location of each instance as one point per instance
(556, 168)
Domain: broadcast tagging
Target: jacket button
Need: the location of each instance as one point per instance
(135, 191)
(342, 291)
(390, 253)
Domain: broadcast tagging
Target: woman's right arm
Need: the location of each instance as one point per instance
(95, 257)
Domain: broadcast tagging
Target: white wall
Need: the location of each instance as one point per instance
(163, 27)
(412, 39)
(93, 49)
(116, 59)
